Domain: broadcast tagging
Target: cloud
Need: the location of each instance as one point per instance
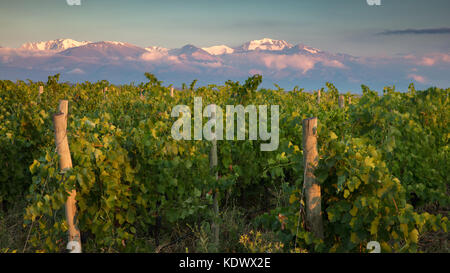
(173, 59)
(280, 62)
(429, 59)
(6, 59)
(157, 58)
(5, 51)
(417, 78)
(202, 57)
(152, 56)
(443, 30)
(76, 71)
(212, 64)
(298, 62)
(255, 71)
(332, 63)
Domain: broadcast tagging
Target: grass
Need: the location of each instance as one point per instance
(195, 237)
(435, 241)
(13, 235)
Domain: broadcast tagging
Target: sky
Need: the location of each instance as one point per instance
(397, 27)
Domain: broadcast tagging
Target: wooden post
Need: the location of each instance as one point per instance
(341, 101)
(64, 108)
(41, 91)
(141, 95)
(318, 96)
(311, 187)
(349, 100)
(213, 163)
(171, 92)
(65, 163)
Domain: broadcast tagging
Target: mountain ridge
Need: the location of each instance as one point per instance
(264, 44)
(278, 61)
(56, 45)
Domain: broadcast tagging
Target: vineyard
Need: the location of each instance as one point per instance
(383, 168)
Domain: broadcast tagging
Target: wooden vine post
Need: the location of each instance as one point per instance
(318, 96)
(311, 187)
(213, 160)
(65, 163)
(142, 95)
(349, 100)
(41, 91)
(171, 92)
(341, 101)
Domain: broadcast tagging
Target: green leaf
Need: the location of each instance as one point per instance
(354, 238)
(34, 166)
(354, 211)
(346, 194)
(333, 136)
(404, 229)
(340, 182)
(414, 236)
(368, 161)
(374, 226)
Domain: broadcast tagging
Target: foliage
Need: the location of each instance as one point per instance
(381, 160)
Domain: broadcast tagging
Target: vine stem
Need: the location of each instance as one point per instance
(28, 235)
(213, 164)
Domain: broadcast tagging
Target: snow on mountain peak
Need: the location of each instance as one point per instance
(115, 43)
(266, 44)
(311, 50)
(218, 50)
(54, 45)
(158, 49)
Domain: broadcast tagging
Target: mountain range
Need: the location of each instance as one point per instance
(278, 61)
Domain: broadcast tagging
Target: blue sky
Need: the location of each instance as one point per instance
(345, 26)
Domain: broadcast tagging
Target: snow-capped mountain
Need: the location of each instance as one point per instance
(158, 49)
(265, 44)
(304, 49)
(105, 49)
(186, 50)
(311, 50)
(192, 53)
(218, 50)
(55, 45)
(276, 60)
